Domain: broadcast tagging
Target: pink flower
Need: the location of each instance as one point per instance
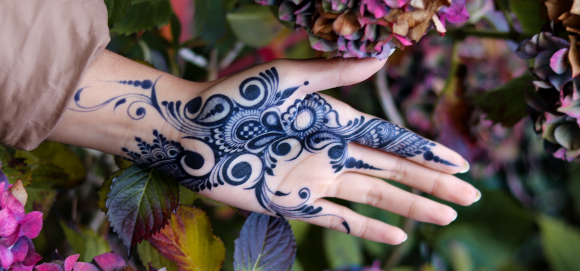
(16, 231)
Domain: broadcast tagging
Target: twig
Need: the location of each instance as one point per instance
(462, 33)
(231, 56)
(386, 98)
(397, 255)
(212, 67)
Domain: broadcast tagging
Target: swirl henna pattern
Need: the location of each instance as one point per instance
(253, 128)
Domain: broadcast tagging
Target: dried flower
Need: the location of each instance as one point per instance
(368, 28)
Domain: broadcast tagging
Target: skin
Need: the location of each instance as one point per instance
(110, 129)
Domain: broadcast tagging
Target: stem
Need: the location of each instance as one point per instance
(462, 33)
(450, 81)
(231, 56)
(506, 14)
(212, 67)
(386, 98)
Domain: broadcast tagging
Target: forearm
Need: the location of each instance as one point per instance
(106, 84)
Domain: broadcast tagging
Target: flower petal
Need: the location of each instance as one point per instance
(70, 261)
(568, 135)
(80, 266)
(32, 258)
(48, 267)
(6, 258)
(31, 224)
(572, 110)
(559, 61)
(8, 223)
(20, 249)
(109, 261)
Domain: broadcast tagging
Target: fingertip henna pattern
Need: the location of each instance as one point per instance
(246, 136)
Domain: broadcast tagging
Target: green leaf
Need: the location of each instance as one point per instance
(123, 163)
(210, 20)
(560, 244)
(106, 188)
(143, 15)
(528, 13)
(506, 104)
(300, 229)
(50, 154)
(266, 243)
(117, 9)
(149, 255)
(187, 196)
(342, 249)
(188, 241)
(86, 242)
(175, 30)
(490, 231)
(254, 25)
(40, 199)
(140, 203)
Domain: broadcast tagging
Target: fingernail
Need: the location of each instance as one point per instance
(465, 167)
(454, 217)
(406, 237)
(477, 196)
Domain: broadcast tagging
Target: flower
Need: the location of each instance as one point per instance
(16, 231)
(106, 262)
(368, 28)
(551, 63)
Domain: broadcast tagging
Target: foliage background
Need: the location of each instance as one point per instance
(450, 89)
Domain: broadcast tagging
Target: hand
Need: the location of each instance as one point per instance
(264, 141)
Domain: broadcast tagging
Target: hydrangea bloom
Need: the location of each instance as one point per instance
(368, 28)
(16, 231)
(556, 63)
(106, 262)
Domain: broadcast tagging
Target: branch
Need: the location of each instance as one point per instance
(231, 56)
(462, 33)
(386, 98)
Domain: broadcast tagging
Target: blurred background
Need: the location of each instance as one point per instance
(528, 217)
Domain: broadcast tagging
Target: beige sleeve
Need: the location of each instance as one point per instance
(45, 48)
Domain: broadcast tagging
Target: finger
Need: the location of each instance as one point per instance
(376, 192)
(342, 219)
(392, 167)
(330, 73)
(351, 125)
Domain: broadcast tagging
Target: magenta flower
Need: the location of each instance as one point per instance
(16, 231)
(106, 262)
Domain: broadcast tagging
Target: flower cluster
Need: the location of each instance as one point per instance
(556, 102)
(106, 262)
(368, 28)
(16, 231)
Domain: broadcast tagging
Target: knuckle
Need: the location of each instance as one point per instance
(436, 183)
(364, 229)
(374, 196)
(412, 208)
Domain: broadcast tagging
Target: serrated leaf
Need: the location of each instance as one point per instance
(85, 242)
(265, 243)
(188, 241)
(122, 163)
(117, 9)
(210, 20)
(506, 104)
(528, 14)
(560, 243)
(150, 256)
(50, 154)
(187, 196)
(255, 25)
(140, 203)
(342, 249)
(106, 188)
(143, 15)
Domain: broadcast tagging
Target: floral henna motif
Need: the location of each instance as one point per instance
(253, 128)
